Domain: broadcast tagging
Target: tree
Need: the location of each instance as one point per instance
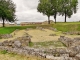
(7, 11)
(45, 7)
(68, 7)
(55, 6)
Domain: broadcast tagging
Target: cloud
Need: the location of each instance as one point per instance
(26, 10)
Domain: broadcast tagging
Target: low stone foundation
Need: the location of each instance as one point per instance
(70, 42)
(21, 46)
(5, 36)
(18, 42)
(72, 33)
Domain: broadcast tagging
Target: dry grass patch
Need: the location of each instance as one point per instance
(40, 36)
(12, 56)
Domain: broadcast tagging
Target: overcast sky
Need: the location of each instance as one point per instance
(26, 11)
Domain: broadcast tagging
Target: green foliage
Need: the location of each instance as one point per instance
(7, 11)
(31, 44)
(68, 7)
(3, 52)
(54, 7)
(45, 7)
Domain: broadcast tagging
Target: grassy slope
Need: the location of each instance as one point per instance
(69, 26)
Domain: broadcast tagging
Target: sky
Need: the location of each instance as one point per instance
(26, 11)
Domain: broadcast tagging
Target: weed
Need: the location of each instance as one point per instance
(31, 44)
(4, 52)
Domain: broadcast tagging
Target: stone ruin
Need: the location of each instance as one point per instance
(54, 29)
(40, 28)
(5, 36)
(17, 43)
(51, 28)
(20, 45)
(73, 46)
(72, 33)
(70, 42)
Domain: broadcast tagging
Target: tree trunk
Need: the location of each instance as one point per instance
(55, 18)
(65, 16)
(48, 19)
(3, 22)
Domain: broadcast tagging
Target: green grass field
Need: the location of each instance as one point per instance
(69, 26)
(64, 27)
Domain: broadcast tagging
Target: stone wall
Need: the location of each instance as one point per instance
(70, 42)
(20, 46)
(72, 33)
(18, 42)
(65, 40)
(5, 36)
(52, 54)
(73, 46)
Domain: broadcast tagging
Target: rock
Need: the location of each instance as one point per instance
(49, 57)
(10, 43)
(6, 36)
(74, 50)
(77, 56)
(1, 44)
(5, 43)
(64, 55)
(43, 55)
(67, 41)
(40, 28)
(54, 29)
(52, 35)
(72, 33)
(17, 44)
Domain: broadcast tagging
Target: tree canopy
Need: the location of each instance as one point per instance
(45, 7)
(68, 8)
(7, 11)
(54, 7)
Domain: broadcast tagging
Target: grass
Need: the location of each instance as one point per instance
(4, 55)
(3, 52)
(8, 30)
(31, 44)
(61, 26)
(69, 26)
(47, 44)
